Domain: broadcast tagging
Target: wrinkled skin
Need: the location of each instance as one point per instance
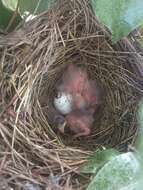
(85, 96)
(80, 122)
(76, 82)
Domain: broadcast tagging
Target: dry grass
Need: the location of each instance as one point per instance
(32, 61)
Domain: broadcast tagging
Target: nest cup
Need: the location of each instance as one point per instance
(34, 59)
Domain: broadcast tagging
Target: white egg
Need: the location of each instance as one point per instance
(63, 103)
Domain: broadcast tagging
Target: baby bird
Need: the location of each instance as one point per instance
(79, 96)
(75, 81)
(80, 122)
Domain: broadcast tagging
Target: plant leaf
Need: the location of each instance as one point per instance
(98, 159)
(34, 6)
(5, 17)
(118, 173)
(121, 16)
(140, 143)
(10, 4)
(140, 121)
(132, 186)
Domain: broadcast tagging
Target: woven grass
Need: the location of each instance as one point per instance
(32, 62)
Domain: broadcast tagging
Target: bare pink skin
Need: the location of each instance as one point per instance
(84, 92)
(80, 122)
(76, 82)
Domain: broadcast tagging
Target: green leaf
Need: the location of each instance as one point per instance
(121, 16)
(140, 143)
(10, 4)
(5, 17)
(34, 6)
(118, 173)
(30, 6)
(133, 186)
(140, 136)
(98, 159)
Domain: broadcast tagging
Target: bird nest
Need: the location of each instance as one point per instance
(32, 62)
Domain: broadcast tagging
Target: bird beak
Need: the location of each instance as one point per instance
(61, 127)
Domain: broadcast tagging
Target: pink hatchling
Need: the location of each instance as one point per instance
(83, 98)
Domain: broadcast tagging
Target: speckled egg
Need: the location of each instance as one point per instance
(63, 103)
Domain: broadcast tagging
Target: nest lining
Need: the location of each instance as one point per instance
(33, 60)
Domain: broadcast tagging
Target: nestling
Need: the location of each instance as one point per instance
(78, 100)
(80, 122)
